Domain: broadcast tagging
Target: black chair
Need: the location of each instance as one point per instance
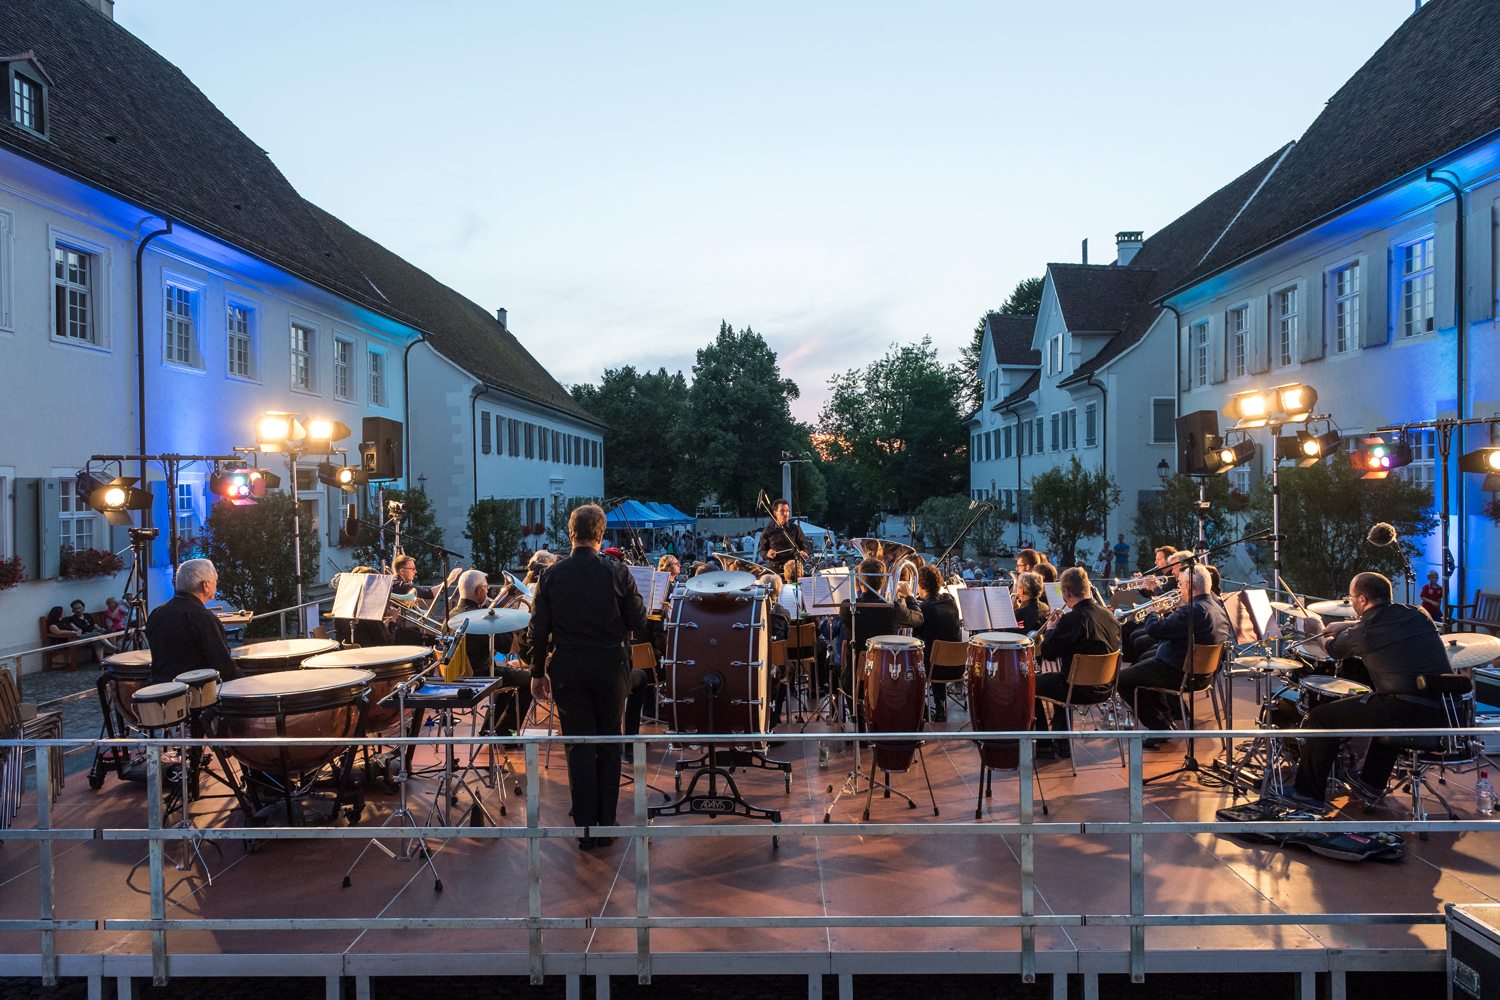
(1420, 755)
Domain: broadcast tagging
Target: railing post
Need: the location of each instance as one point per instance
(1137, 866)
(154, 847)
(281, 621)
(639, 770)
(534, 861)
(44, 858)
(1028, 870)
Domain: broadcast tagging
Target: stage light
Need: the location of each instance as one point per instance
(1378, 457)
(242, 486)
(321, 435)
(1483, 460)
(1249, 408)
(279, 432)
(345, 477)
(116, 499)
(1295, 400)
(1222, 456)
(1310, 449)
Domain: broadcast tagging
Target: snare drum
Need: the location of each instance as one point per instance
(279, 654)
(128, 672)
(1002, 692)
(717, 656)
(161, 706)
(307, 703)
(1320, 690)
(203, 688)
(895, 690)
(389, 665)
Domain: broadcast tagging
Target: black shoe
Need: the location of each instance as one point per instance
(1063, 749)
(604, 841)
(1155, 744)
(587, 843)
(941, 714)
(1359, 786)
(1042, 750)
(1295, 799)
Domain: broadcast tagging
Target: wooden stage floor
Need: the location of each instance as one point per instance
(806, 876)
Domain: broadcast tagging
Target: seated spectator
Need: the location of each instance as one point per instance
(60, 628)
(71, 629)
(115, 615)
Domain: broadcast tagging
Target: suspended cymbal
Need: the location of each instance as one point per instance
(1332, 609)
(722, 582)
(1268, 664)
(488, 621)
(1470, 649)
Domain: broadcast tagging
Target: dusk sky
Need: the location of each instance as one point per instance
(837, 176)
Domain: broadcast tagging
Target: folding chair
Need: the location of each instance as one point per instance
(1088, 670)
(947, 668)
(802, 664)
(1204, 672)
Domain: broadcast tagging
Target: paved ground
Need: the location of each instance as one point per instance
(1408, 986)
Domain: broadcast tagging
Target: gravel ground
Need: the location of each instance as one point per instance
(1263, 986)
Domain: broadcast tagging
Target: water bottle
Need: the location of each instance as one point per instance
(1484, 794)
(823, 762)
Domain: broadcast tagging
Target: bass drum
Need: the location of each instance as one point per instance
(1002, 692)
(895, 683)
(328, 703)
(390, 665)
(717, 656)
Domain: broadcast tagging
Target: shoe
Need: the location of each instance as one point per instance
(1295, 799)
(587, 843)
(1063, 749)
(604, 841)
(1042, 750)
(1359, 786)
(1155, 744)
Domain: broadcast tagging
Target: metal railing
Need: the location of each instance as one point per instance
(533, 832)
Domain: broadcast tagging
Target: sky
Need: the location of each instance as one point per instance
(838, 176)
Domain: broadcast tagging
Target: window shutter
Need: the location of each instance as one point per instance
(1374, 314)
(1314, 309)
(1217, 349)
(1260, 344)
(1185, 370)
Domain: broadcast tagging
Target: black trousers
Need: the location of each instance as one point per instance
(1365, 711)
(1155, 710)
(507, 719)
(590, 687)
(642, 693)
(1054, 684)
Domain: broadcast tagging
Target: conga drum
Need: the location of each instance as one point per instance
(1002, 692)
(718, 653)
(895, 690)
(161, 706)
(127, 672)
(297, 703)
(278, 654)
(389, 665)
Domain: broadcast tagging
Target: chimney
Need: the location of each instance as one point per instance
(500, 315)
(105, 7)
(1127, 245)
(1085, 251)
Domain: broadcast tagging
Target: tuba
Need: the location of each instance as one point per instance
(735, 564)
(900, 563)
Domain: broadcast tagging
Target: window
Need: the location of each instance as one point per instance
(77, 519)
(531, 440)
(1070, 428)
(1422, 469)
(1041, 431)
(179, 325)
(988, 453)
(1091, 425)
(1239, 335)
(302, 341)
(484, 431)
(1028, 448)
(26, 102)
(1418, 288)
(1346, 309)
(187, 511)
(377, 378)
(1239, 479)
(241, 353)
(1286, 325)
(1163, 421)
(1024, 506)
(1200, 354)
(343, 356)
(1056, 421)
(72, 283)
(1007, 443)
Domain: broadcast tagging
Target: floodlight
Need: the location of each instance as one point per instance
(321, 434)
(1378, 458)
(1249, 408)
(279, 432)
(345, 477)
(1485, 460)
(1295, 400)
(116, 499)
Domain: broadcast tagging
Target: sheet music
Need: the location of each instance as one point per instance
(827, 592)
(1053, 593)
(362, 595)
(985, 609)
(654, 585)
(791, 599)
(1002, 611)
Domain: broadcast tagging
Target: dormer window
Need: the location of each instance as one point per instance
(26, 93)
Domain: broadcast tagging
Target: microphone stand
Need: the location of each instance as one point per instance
(982, 508)
(1411, 574)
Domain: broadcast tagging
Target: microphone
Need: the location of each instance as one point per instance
(1381, 535)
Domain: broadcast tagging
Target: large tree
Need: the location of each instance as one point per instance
(737, 423)
(896, 428)
(251, 547)
(494, 534)
(644, 413)
(1025, 300)
(418, 521)
(1071, 503)
(1170, 516)
(1326, 512)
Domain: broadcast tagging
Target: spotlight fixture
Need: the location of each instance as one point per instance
(1378, 458)
(1295, 400)
(1221, 456)
(1250, 409)
(321, 435)
(1308, 448)
(345, 477)
(116, 499)
(1284, 404)
(241, 486)
(1485, 460)
(279, 432)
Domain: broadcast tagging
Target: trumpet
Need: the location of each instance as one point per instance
(1052, 619)
(1165, 602)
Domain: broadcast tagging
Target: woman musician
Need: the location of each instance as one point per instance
(1030, 602)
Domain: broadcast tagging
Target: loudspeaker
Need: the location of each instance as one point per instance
(380, 450)
(1195, 432)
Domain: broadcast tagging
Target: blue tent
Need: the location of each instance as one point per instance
(668, 514)
(634, 515)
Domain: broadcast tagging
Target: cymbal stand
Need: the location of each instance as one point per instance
(403, 815)
(453, 781)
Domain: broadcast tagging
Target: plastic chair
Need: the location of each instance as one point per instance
(1088, 670)
(1204, 672)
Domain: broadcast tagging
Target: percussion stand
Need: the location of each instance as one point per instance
(403, 815)
(453, 781)
(186, 823)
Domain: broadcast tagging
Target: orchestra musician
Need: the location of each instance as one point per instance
(1398, 644)
(1084, 628)
(939, 621)
(1030, 602)
(669, 564)
(1046, 571)
(1136, 644)
(474, 591)
(406, 583)
(874, 616)
(1200, 614)
(182, 633)
(782, 539)
(366, 631)
(586, 608)
(1026, 561)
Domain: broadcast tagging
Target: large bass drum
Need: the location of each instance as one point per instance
(328, 703)
(390, 665)
(1002, 693)
(278, 654)
(895, 690)
(717, 656)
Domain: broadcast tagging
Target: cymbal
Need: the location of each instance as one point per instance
(488, 621)
(720, 582)
(1267, 664)
(1332, 609)
(1470, 649)
(1284, 606)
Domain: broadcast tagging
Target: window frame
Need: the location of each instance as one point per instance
(1403, 278)
(1054, 440)
(1336, 300)
(1286, 324)
(1091, 425)
(251, 337)
(98, 289)
(1237, 340)
(194, 289)
(1172, 441)
(69, 514)
(309, 353)
(377, 377)
(16, 71)
(347, 395)
(1198, 337)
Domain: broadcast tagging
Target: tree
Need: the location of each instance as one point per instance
(251, 547)
(643, 413)
(1025, 300)
(1071, 503)
(418, 521)
(494, 534)
(1326, 511)
(736, 424)
(1170, 517)
(939, 520)
(896, 427)
(851, 510)
(988, 534)
(557, 521)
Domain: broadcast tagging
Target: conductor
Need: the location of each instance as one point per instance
(782, 539)
(182, 633)
(585, 608)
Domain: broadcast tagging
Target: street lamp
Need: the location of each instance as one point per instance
(1163, 471)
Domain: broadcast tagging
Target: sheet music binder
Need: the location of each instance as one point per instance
(362, 595)
(986, 609)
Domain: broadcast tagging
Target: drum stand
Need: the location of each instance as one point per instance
(403, 815)
(851, 780)
(452, 781)
(187, 764)
(886, 784)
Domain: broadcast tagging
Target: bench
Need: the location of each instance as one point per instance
(49, 656)
(1486, 608)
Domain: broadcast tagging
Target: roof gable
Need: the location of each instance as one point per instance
(1096, 298)
(1010, 340)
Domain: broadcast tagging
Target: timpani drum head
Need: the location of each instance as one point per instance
(722, 583)
(279, 654)
(295, 703)
(370, 658)
(160, 705)
(896, 642)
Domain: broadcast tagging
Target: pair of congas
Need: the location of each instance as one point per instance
(718, 656)
(162, 706)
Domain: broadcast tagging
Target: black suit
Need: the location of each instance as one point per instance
(779, 543)
(585, 611)
(1205, 618)
(876, 616)
(1088, 629)
(184, 635)
(939, 621)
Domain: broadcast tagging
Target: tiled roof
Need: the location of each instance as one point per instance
(1097, 298)
(121, 118)
(1010, 339)
(1033, 381)
(1429, 90)
(463, 331)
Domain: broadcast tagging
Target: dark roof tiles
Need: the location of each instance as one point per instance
(1010, 339)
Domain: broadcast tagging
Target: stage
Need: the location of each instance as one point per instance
(844, 869)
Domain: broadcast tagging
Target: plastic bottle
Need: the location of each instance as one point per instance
(823, 758)
(1484, 794)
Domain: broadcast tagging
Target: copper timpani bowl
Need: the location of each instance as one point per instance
(296, 703)
(390, 665)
